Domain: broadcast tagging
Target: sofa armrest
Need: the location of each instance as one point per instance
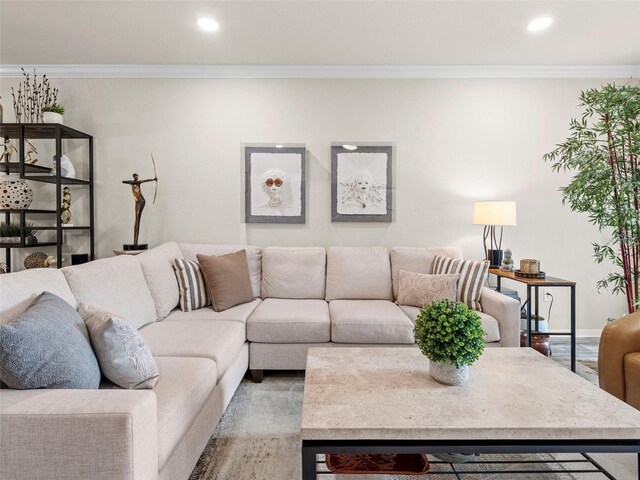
(618, 339)
(78, 434)
(506, 311)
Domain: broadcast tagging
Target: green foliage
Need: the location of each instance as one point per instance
(55, 108)
(12, 229)
(603, 151)
(450, 331)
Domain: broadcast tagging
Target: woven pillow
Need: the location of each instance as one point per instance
(472, 277)
(194, 293)
(47, 346)
(124, 356)
(421, 289)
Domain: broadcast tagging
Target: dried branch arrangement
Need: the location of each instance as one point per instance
(32, 96)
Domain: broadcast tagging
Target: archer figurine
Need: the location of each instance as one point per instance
(139, 205)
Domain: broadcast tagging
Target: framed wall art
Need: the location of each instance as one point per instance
(361, 184)
(275, 186)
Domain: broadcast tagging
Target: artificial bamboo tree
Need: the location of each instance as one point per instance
(603, 151)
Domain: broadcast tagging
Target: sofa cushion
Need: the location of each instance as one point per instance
(417, 259)
(218, 341)
(47, 346)
(422, 289)
(293, 272)
(278, 320)
(369, 321)
(254, 258)
(183, 388)
(490, 325)
(358, 273)
(116, 285)
(123, 355)
(239, 313)
(18, 290)
(157, 266)
(227, 277)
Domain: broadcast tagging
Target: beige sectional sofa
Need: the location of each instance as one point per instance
(303, 297)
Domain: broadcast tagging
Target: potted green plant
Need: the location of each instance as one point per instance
(603, 154)
(11, 232)
(52, 113)
(450, 335)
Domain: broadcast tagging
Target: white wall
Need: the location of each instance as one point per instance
(456, 141)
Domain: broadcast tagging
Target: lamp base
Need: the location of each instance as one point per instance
(128, 247)
(495, 258)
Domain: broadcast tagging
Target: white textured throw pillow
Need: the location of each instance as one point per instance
(421, 289)
(472, 277)
(122, 353)
(194, 293)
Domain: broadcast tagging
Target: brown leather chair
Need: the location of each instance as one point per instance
(619, 359)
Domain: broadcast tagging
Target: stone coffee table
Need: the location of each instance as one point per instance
(383, 400)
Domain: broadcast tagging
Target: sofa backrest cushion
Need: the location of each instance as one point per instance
(18, 290)
(358, 273)
(254, 258)
(297, 272)
(417, 259)
(114, 284)
(157, 266)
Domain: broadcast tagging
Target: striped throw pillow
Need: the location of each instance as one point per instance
(472, 277)
(194, 293)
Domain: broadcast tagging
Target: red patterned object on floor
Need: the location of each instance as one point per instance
(388, 464)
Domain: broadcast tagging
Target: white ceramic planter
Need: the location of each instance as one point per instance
(51, 117)
(448, 374)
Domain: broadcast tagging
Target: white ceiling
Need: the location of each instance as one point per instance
(319, 33)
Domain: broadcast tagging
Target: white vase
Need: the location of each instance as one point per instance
(15, 195)
(448, 374)
(51, 117)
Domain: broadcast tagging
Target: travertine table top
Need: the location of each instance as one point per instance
(512, 393)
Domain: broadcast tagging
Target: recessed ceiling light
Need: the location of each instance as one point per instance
(540, 24)
(279, 146)
(350, 147)
(208, 24)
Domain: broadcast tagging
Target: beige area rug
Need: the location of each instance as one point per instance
(258, 439)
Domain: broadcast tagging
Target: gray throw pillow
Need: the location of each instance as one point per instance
(124, 357)
(47, 346)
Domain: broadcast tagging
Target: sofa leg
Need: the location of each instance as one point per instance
(256, 375)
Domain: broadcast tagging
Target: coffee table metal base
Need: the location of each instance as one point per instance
(312, 448)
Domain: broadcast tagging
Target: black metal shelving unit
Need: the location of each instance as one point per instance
(38, 173)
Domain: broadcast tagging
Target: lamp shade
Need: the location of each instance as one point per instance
(494, 213)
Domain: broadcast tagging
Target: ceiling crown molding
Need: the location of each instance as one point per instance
(328, 71)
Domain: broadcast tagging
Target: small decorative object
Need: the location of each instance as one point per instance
(361, 183)
(32, 97)
(450, 334)
(15, 195)
(3, 268)
(36, 260)
(529, 265)
(275, 185)
(492, 215)
(7, 150)
(539, 342)
(29, 160)
(52, 113)
(66, 167)
(377, 463)
(79, 258)
(139, 205)
(507, 263)
(65, 207)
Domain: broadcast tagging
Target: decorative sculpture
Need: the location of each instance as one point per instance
(139, 205)
(7, 150)
(28, 155)
(39, 260)
(507, 263)
(65, 207)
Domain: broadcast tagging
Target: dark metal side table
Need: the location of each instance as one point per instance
(535, 284)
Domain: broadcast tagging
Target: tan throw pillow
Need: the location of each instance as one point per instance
(228, 279)
(421, 289)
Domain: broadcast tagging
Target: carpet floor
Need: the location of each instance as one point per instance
(258, 439)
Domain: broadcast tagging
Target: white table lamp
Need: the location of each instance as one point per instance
(492, 215)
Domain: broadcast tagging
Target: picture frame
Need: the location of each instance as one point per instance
(361, 183)
(275, 184)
